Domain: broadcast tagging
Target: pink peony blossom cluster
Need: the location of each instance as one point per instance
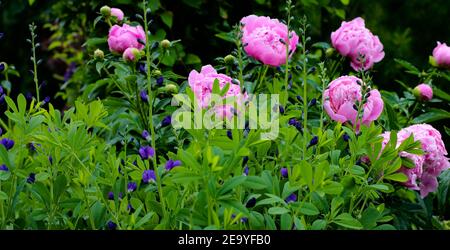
(265, 39)
(123, 37)
(202, 85)
(353, 39)
(423, 176)
(441, 55)
(340, 98)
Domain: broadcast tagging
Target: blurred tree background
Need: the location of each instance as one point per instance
(408, 30)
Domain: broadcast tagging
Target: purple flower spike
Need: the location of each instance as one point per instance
(146, 152)
(171, 164)
(284, 172)
(3, 167)
(131, 187)
(148, 176)
(7, 143)
(291, 198)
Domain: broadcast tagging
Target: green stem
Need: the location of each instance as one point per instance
(35, 78)
(150, 97)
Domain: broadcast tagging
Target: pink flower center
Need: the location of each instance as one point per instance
(270, 38)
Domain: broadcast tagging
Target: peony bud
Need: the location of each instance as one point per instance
(423, 92)
(156, 73)
(171, 89)
(229, 59)
(131, 55)
(99, 55)
(165, 44)
(118, 13)
(105, 11)
(330, 52)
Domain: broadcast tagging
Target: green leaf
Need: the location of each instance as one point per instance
(308, 209)
(167, 18)
(432, 115)
(346, 220)
(3, 196)
(59, 186)
(357, 170)
(385, 227)
(400, 177)
(255, 182)
(30, 2)
(278, 210)
(369, 218)
(441, 94)
(231, 183)
(332, 187)
(380, 187)
(42, 176)
(319, 225)
(407, 65)
(192, 59)
(345, 2)
(286, 222)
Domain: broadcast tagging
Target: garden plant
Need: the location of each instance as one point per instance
(281, 132)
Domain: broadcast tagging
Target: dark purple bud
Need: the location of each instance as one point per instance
(1, 89)
(230, 134)
(166, 121)
(31, 178)
(346, 137)
(313, 141)
(1, 131)
(148, 176)
(43, 84)
(2, 98)
(251, 203)
(282, 41)
(291, 198)
(312, 102)
(110, 196)
(3, 167)
(244, 219)
(146, 152)
(111, 225)
(299, 98)
(50, 159)
(290, 84)
(160, 81)
(146, 135)
(289, 77)
(7, 143)
(142, 68)
(131, 187)
(244, 160)
(144, 96)
(120, 195)
(31, 147)
(171, 164)
(246, 170)
(284, 172)
(278, 68)
(368, 95)
(1, 35)
(292, 121)
(355, 107)
(235, 81)
(46, 100)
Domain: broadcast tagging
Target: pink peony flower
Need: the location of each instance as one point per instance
(423, 92)
(442, 55)
(353, 39)
(340, 98)
(423, 176)
(122, 38)
(202, 85)
(265, 39)
(117, 13)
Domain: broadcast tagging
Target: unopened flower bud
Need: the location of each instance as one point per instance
(131, 55)
(330, 52)
(423, 92)
(171, 89)
(105, 11)
(229, 59)
(99, 55)
(165, 44)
